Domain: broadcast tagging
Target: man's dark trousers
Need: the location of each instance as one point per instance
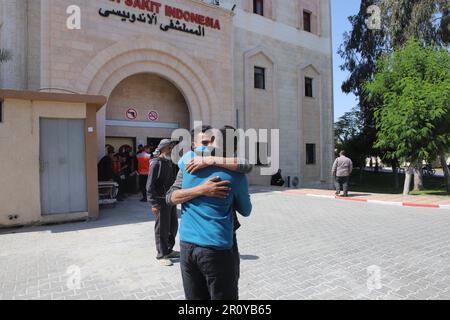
(209, 274)
(166, 228)
(344, 181)
(143, 185)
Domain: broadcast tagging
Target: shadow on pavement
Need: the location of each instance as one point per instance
(130, 211)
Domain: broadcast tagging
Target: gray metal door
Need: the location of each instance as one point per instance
(63, 166)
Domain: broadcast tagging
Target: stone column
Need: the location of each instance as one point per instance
(13, 37)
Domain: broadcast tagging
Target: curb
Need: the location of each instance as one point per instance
(364, 200)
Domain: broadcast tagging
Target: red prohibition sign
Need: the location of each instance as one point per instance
(153, 116)
(131, 114)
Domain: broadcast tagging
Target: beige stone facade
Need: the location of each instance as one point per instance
(129, 52)
(20, 199)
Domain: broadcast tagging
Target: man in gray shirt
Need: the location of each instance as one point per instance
(342, 169)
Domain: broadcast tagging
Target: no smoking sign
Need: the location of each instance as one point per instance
(153, 116)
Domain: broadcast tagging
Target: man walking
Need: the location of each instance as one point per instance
(161, 177)
(342, 169)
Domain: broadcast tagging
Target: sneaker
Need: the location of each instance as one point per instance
(173, 255)
(165, 262)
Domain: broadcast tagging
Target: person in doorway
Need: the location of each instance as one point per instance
(143, 159)
(119, 175)
(105, 166)
(161, 177)
(342, 169)
(131, 164)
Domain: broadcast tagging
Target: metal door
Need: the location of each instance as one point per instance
(63, 166)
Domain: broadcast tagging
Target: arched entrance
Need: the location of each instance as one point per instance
(147, 55)
(157, 108)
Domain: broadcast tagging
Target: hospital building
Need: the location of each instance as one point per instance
(161, 65)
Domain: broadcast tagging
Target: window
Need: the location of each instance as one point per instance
(258, 7)
(310, 154)
(309, 87)
(260, 78)
(307, 21)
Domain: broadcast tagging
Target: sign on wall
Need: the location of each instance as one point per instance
(150, 12)
(153, 116)
(131, 114)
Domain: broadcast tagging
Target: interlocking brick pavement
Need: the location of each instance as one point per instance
(393, 199)
(292, 248)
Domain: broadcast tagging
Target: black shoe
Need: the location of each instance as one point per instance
(143, 200)
(120, 199)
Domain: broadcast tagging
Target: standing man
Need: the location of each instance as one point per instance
(162, 175)
(342, 169)
(208, 229)
(143, 159)
(213, 188)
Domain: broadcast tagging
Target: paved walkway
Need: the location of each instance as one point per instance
(394, 199)
(292, 247)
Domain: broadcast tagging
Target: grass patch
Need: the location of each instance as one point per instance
(384, 182)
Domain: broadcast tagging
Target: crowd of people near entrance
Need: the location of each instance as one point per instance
(124, 167)
(212, 191)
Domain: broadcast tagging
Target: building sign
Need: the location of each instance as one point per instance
(179, 20)
(131, 114)
(153, 116)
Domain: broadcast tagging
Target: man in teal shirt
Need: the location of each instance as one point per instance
(208, 261)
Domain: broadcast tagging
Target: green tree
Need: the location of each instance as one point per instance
(424, 20)
(413, 120)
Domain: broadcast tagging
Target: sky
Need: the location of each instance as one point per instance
(341, 10)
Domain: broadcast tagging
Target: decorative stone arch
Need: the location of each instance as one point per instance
(303, 71)
(147, 55)
(248, 85)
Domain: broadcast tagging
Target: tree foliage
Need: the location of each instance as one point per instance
(349, 136)
(426, 21)
(413, 120)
